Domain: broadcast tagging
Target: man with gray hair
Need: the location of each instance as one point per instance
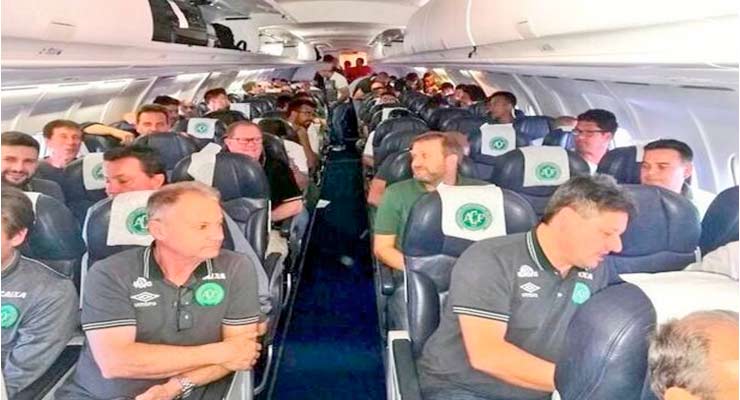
(696, 357)
(166, 319)
(511, 298)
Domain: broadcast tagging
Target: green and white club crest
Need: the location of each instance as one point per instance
(97, 172)
(581, 293)
(8, 315)
(498, 143)
(137, 221)
(201, 128)
(473, 217)
(548, 171)
(210, 294)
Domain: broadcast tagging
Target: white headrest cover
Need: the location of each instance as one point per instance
(202, 128)
(34, 197)
(639, 153)
(545, 166)
(92, 171)
(497, 139)
(244, 108)
(203, 164)
(128, 219)
(472, 212)
(679, 293)
(386, 112)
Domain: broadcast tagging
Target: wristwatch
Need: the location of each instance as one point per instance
(187, 386)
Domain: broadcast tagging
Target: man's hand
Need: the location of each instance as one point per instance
(124, 136)
(244, 350)
(165, 391)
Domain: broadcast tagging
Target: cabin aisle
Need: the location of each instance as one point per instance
(332, 349)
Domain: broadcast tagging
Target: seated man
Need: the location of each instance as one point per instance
(471, 94)
(39, 305)
(165, 319)
(152, 118)
(63, 141)
(20, 159)
(511, 298)
(434, 160)
(187, 109)
(501, 107)
(244, 137)
(668, 163)
(301, 113)
(217, 100)
(696, 357)
(172, 105)
(593, 133)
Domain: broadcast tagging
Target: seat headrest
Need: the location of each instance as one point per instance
(387, 113)
(424, 235)
(428, 109)
(244, 108)
(206, 129)
(677, 294)
(78, 198)
(93, 177)
(605, 351)
(669, 221)
(274, 146)
(397, 167)
(401, 124)
(480, 109)
(471, 127)
(116, 224)
(172, 147)
(559, 137)
(55, 234)
(720, 223)
(439, 116)
(235, 176)
(497, 139)
(203, 164)
(379, 107)
(533, 127)
(100, 143)
(623, 163)
(393, 143)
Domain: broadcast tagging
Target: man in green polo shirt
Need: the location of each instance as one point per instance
(165, 320)
(512, 297)
(434, 160)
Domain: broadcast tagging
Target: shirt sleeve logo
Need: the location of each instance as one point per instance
(547, 171)
(9, 315)
(210, 294)
(136, 222)
(473, 217)
(581, 293)
(498, 143)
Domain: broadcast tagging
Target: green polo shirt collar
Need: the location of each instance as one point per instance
(152, 270)
(536, 252)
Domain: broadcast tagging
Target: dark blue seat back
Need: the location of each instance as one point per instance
(509, 173)
(378, 107)
(397, 167)
(344, 120)
(440, 116)
(401, 124)
(78, 198)
(429, 256)
(228, 117)
(662, 236)
(391, 144)
(55, 238)
(172, 147)
(220, 130)
(605, 351)
(100, 143)
(397, 112)
(245, 194)
(470, 126)
(720, 223)
(479, 109)
(559, 137)
(533, 127)
(622, 164)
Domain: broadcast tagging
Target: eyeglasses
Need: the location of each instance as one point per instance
(256, 140)
(587, 133)
(182, 307)
(307, 112)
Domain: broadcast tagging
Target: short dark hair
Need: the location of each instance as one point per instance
(508, 96)
(166, 101)
(17, 211)
(599, 191)
(328, 58)
(446, 85)
(283, 100)
(152, 108)
(215, 92)
(149, 158)
(59, 123)
(475, 92)
(298, 103)
(683, 149)
(412, 76)
(15, 138)
(603, 118)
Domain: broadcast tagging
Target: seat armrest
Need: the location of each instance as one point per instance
(270, 263)
(285, 227)
(402, 382)
(385, 276)
(241, 387)
(51, 379)
(217, 390)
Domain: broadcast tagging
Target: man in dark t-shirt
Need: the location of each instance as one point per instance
(245, 137)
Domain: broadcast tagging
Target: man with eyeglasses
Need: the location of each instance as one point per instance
(164, 320)
(593, 133)
(301, 113)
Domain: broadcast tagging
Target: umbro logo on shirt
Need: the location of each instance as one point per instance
(145, 299)
(530, 289)
(525, 271)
